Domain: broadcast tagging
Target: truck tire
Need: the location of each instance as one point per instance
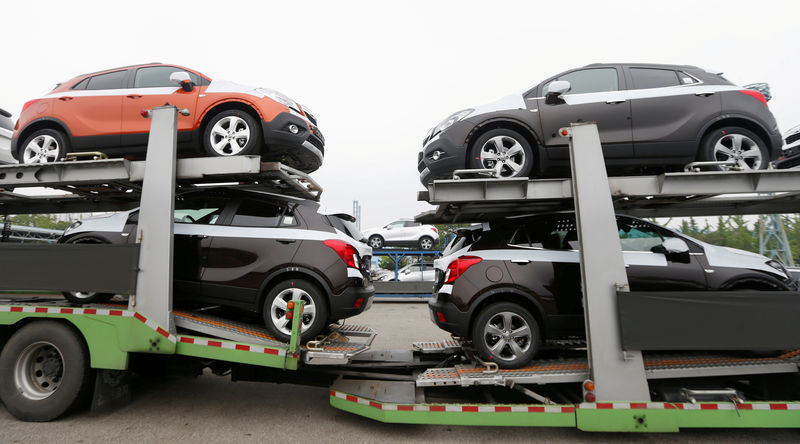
(44, 371)
(315, 310)
(506, 334)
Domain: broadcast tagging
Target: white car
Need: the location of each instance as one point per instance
(6, 130)
(403, 233)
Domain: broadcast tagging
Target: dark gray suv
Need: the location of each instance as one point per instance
(650, 117)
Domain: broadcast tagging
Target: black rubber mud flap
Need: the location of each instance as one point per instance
(112, 390)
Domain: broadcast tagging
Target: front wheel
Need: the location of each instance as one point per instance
(44, 146)
(231, 133)
(507, 334)
(426, 243)
(375, 241)
(314, 316)
(505, 151)
(44, 371)
(735, 144)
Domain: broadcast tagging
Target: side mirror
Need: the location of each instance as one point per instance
(182, 79)
(555, 90)
(674, 245)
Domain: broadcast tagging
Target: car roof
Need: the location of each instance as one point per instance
(644, 65)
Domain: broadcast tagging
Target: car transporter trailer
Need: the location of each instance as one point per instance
(642, 368)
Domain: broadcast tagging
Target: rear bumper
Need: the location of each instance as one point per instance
(455, 321)
(344, 306)
(303, 150)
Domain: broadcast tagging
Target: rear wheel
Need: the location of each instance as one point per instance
(314, 316)
(44, 146)
(505, 151)
(735, 144)
(426, 243)
(507, 334)
(231, 133)
(44, 371)
(375, 241)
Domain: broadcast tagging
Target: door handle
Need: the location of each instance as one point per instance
(133, 96)
(199, 236)
(287, 241)
(65, 99)
(614, 102)
(521, 261)
(705, 94)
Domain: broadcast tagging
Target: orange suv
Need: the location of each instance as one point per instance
(101, 111)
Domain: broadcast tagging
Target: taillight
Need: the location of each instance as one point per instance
(458, 267)
(29, 103)
(347, 252)
(760, 97)
(435, 230)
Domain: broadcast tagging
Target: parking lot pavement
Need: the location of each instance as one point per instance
(213, 409)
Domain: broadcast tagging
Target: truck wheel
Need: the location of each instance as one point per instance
(44, 371)
(733, 143)
(425, 243)
(44, 146)
(315, 312)
(231, 133)
(375, 241)
(507, 334)
(503, 150)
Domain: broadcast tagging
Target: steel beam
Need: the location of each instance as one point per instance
(617, 375)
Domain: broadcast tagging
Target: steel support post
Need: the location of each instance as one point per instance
(154, 281)
(617, 375)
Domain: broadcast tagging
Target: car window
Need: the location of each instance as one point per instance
(410, 223)
(636, 235)
(557, 233)
(199, 210)
(158, 76)
(82, 84)
(589, 81)
(686, 79)
(395, 225)
(256, 213)
(644, 78)
(112, 80)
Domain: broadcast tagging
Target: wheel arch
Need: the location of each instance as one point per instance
(505, 123)
(759, 283)
(36, 125)
(508, 294)
(225, 106)
(733, 120)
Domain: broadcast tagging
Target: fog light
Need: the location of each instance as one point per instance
(437, 154)
(294, 129)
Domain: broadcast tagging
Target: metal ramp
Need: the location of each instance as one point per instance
(657, 366)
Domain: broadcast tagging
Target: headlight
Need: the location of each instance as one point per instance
(778, 266)
(450, 120)
(278, 97)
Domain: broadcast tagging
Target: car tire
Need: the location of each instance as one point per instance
(501, 140)
(38, 357)
(87, 297)
(504, 319)
(315, 310)
(425, 243)
(44, 146)
(375, 241)
(220, 135)
(735, 143)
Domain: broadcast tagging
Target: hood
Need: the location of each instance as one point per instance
(514, 101)
(114, 223)
(735, 258)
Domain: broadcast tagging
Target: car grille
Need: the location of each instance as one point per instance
(792, 138)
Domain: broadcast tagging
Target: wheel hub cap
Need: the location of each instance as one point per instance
(504, 155)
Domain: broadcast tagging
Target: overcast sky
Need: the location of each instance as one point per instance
(378, 76)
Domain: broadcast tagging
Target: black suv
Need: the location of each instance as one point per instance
(517, 283)
(650, 117)
(255, 251)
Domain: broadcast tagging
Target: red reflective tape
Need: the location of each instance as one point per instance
(709, 407)
(242, 347)
(605, 405)
(187, 340)
(638, 405)
(115, 313)
(567, 409)
(90, 311)
(333, 393)
(744, 406)
(16, 309)
(502, 409)
(377, 405)
(351, 398)
(214, 344)
(162, 332)
(40, 309)
(270, 351)
(438, 408)
(67, 311)
(779, 407)
(405, 408)
(140, 317)
(535, 408)
(469, 408)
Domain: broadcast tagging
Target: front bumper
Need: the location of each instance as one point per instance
(343, 304)
(303, 151)
(451, 143)
(455, 320)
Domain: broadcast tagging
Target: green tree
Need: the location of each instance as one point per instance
(39, 221)
(387, 263)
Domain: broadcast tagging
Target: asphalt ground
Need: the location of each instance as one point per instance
(210, 408)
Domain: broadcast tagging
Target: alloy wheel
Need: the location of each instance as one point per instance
(507, 335)
(279, 309)
(38, 370)
(229, 135)
(426, 244)
(739, 148)
(504, 155)
(41, 149)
